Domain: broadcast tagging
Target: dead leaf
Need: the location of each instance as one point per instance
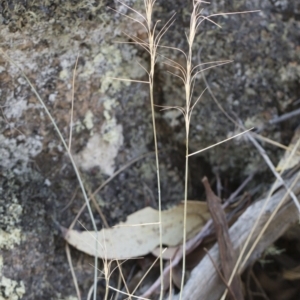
(227, 255)
(139, 235)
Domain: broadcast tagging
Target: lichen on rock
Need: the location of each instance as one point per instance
(10, 235)
(10, 214)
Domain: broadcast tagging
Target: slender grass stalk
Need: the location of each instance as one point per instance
(188, 96)
(151, 47)
(188, 76)
(72, 103)
(68, 253)
(154, 41)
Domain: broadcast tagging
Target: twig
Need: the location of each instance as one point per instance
(218, 271)
(240, 188)
(272, 168)
(281, 118)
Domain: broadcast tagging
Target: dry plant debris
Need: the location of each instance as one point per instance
(139, 234)
(227, 254)
(295, 159)
(263, 222)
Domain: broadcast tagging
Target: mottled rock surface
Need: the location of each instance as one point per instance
(112, 119)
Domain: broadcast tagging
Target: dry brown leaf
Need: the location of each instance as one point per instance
(139, 235)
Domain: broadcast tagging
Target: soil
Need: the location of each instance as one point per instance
(112, 126)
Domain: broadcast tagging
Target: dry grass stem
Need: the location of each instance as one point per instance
(72, 103)
(189, 75)
(122, 279)
(119, 286)
(272, 168)
(68, 253)
(226, 140)
(151, 47)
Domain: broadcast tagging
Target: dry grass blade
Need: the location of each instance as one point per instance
(72, 103)
(226, 140)
(274, 143)
(272, 168)
(68, 253)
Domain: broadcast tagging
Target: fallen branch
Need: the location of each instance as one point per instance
(205, 282)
